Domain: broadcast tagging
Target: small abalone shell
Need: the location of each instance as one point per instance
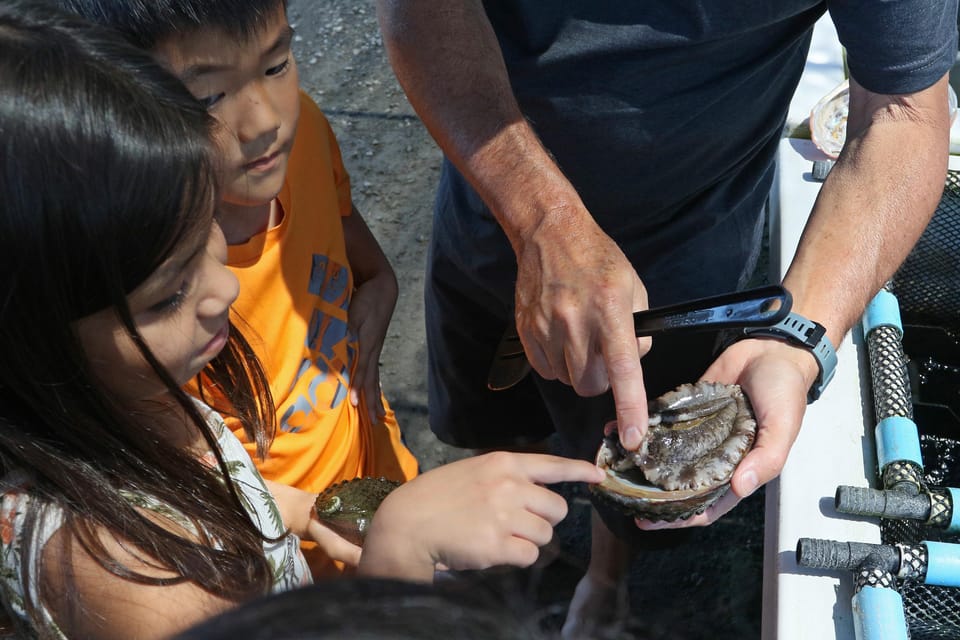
(348, 507)
(698, 435)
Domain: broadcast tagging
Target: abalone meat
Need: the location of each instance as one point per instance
(698, 435)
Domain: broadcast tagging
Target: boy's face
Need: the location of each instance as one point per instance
(251, 87)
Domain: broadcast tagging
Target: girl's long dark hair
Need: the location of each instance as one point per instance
(105, 167)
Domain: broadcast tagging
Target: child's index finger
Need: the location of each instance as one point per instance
(550, 469)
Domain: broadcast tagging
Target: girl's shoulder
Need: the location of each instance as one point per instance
(27, 523)
(281, 548)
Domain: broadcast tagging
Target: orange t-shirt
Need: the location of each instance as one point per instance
(295, 290)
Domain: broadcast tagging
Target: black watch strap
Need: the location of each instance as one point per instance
(797, 330)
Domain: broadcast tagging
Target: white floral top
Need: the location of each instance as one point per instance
(285, 558)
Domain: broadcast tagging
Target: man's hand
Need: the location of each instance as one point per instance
(776, 377)
(575, 298)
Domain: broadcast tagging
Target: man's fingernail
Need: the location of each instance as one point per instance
(748, 483)
(631, 438)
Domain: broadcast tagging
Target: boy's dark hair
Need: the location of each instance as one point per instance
(147, 23)
(106, 168)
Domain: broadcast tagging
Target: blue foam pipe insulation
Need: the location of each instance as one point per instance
(943, 564)
(878, 614)
(898, 440)
(883, 311)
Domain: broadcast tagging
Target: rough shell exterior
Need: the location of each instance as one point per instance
(699, 433)
(348, 507)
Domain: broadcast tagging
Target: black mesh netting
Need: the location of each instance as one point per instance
(927, 287)
(928, 283)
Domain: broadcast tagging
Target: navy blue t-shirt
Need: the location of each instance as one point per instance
(666, 115)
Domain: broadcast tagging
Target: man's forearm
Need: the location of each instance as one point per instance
(873, 206)
(447, 58)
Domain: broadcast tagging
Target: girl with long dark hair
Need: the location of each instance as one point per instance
(127, 508)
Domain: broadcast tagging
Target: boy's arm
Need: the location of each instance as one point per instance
(371, 308)
(367, 260)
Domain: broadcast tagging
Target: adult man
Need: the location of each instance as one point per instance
(625, 151)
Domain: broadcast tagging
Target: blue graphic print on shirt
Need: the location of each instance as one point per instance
(329, 346)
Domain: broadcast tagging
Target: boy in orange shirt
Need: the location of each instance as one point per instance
(316, 290)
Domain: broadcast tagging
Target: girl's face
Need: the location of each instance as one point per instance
(181, 311)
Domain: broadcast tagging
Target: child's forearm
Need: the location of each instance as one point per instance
(296, 506)
(391, 556)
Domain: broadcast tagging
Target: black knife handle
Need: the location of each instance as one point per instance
(760, 307)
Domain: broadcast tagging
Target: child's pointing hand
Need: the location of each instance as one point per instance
(472, 514)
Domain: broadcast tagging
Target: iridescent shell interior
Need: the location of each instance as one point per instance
(698, 434)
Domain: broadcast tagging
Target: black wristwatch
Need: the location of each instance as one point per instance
(799, 331)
